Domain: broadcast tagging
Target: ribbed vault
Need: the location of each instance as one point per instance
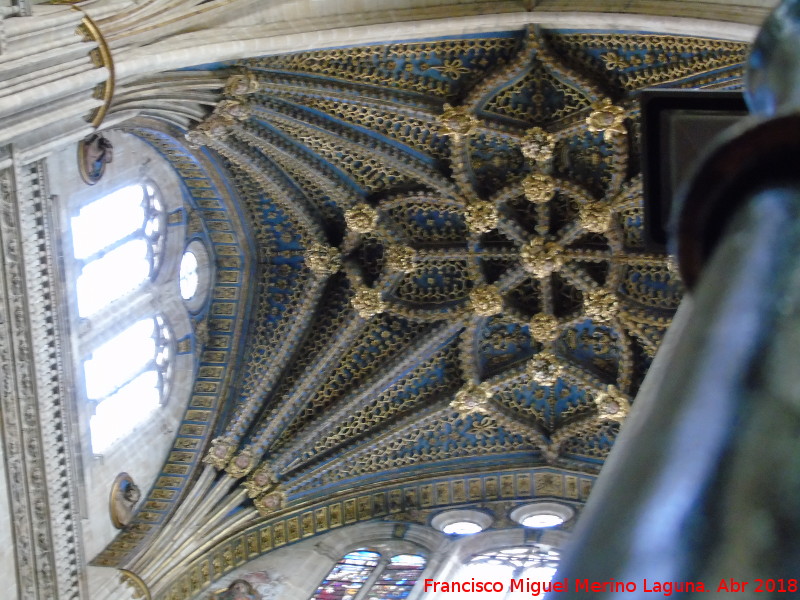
(453, 293)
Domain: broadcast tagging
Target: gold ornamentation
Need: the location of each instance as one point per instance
(233, 110)
(612, 405)
(362, 218)
(367, 302)
(537, 145)
(607, 118)
(481, 216)
(543, 327)
(102, 58)
(322, 260)
(125, 494)
(538, 187)
(472, 399)
(486, 300)
(259, 481)
(596, 217)
(270, 503)
(214, 127)
(541, 257)
(241, 84)
(457, 121)
(400, 258)
(242, 464)
(220, 453)
(545, 368)
(600, 305)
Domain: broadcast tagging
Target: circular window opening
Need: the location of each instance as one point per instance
(542, 514)
(189, 279)
(195, 276)
(542, 521)
(461, 521)
(462, 528)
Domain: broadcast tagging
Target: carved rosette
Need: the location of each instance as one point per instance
(612, 405)
(260, 481)
(540, 257)
(367, 302)
(538, 187)
(600, 305)
(241, 84)
(472, 399)
(242, 464)
(322, 260)
(537, 146)
(486, 300)
(221, 451)
(543, 327)
(596, 217)
(270, 503)
(400, 258)
(233, 110)
(606, 117)
(457, 121)
(213, 128)
(545, 368)
(361, 219)
(481, 216)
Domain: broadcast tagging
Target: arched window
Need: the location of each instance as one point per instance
(125, 347)
(117, 242)
(365, 575)
(536, 562)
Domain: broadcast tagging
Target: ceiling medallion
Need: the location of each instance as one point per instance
(481, 216)
(220, 453)
(362, 218)
(596, 217)
(600, 305)
(606, 117)
(322, 260)
(538, 145)
(259, 481)
(270, 503)
(367, 302)
(457, 121)
(486, 300)
(543, 327)
(545, 368)
(540, 257)
(612, 404)
(473, 398)
(242, 464)
(538, 187)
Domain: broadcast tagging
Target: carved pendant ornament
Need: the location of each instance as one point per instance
(452, 274)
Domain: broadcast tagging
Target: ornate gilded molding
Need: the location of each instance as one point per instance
(101, 57)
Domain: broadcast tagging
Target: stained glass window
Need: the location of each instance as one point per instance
(348, 576)
(397, 578)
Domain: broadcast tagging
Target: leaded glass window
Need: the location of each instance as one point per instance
(348, 576)
(117, 242)
(126, 379)
(536, 562)
(397, 578)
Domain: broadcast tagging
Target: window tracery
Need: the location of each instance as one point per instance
(125, 346)
(365, 575)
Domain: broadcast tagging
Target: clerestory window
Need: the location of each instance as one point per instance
(366, 575)
(536, 562)
(125, 345)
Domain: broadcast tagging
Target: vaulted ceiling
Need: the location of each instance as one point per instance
(431, 290)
